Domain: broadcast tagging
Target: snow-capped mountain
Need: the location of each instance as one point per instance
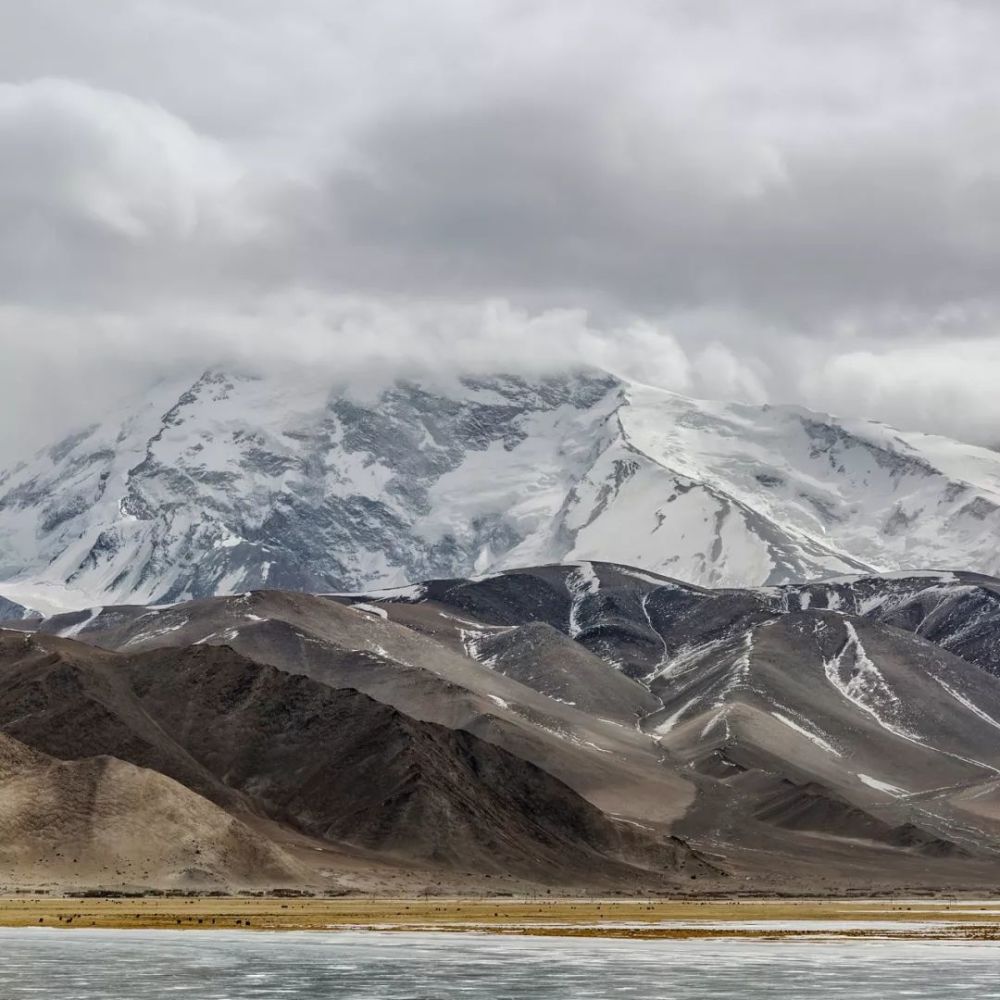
(234, 482)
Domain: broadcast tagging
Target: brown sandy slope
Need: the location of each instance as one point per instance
(101, 818)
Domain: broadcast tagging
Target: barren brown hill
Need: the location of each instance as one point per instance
(330, 763)
(101, 819)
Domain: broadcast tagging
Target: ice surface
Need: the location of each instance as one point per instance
(222, 965)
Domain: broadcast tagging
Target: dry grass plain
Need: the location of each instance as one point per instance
(637, 918)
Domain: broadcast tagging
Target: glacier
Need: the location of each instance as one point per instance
(226, 482)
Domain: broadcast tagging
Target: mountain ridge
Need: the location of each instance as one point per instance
(837, 733)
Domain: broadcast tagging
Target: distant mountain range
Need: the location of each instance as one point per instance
(228, 483)
(590, 726)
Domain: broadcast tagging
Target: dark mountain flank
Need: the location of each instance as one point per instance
(331, 764)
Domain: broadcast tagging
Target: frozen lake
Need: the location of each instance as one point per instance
(220, 965)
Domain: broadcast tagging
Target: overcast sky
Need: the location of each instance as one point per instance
(781, 201)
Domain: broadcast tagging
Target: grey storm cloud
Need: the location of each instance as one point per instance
(789, 202)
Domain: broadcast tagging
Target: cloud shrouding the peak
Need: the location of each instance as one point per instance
(785, 202)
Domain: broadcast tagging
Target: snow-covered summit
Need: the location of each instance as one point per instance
(232, 482)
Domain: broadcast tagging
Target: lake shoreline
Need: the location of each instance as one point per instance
(634, 919)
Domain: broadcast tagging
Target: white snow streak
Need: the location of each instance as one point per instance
(868, 690)
(971, 706)
(686, 658)
(371, 610)
(740, 671)
(811, 736)
(668, 724)
(882, 786)
(713, 721)
(73, 630)
(581, 583)
(864, 685)
(156, 633)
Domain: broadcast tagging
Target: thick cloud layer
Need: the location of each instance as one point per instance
(794, 202)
